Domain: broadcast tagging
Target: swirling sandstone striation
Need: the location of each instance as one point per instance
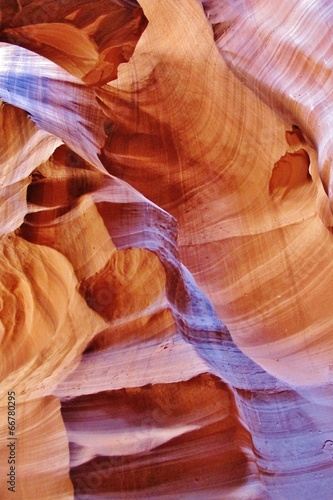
(150, 379)
(88, 39)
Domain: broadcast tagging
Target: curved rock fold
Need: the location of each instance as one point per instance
(166, 248)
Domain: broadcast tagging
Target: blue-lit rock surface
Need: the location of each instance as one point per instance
(166, 249)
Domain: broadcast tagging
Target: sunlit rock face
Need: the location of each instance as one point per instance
(166, 247)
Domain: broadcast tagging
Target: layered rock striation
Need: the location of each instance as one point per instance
(166, 249)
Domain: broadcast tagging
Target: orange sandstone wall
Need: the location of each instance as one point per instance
(166, 249)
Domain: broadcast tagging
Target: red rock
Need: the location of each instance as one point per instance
(166, 248)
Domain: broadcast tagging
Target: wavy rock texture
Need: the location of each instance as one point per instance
(166, 248)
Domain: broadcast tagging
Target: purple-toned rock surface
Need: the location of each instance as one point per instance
(166, 249)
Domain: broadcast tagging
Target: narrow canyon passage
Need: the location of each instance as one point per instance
(166, 249)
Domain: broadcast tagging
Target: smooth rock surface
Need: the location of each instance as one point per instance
(166, 248)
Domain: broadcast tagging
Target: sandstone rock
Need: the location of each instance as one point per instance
(166, 248)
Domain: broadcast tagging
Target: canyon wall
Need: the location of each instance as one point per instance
(166, 249)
